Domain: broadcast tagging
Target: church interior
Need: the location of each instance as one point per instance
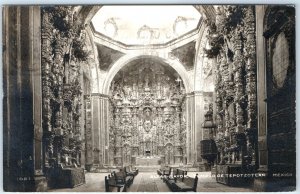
(142, 98)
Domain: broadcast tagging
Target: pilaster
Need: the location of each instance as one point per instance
(261, 90)
(22, 98)
(261, 184)
(189, 129)
(100, 128)
(199, 118)
(88, 132)
(95, 106)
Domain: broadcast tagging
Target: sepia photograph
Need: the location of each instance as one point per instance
(149, 98)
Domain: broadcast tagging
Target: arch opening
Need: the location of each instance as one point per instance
(129, 59)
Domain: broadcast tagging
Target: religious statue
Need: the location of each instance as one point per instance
(147, 125)
(134, 94)
(158, 90)
(73, 71)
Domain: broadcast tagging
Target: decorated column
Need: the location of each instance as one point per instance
(250, 60)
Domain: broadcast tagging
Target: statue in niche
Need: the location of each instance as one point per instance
(140, 85)
(127, 94)
(147, 119)
(167, 88)
(175, 97)
(73, 71)
(127, 130)
(147, 126)
(76, 103)
(127, 90)
(159, 89)
(146, 81)
(147, 113)
(134, 94)
(118, 95)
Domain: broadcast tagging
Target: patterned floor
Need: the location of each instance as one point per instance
(150, 182)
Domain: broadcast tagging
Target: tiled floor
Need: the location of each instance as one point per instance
(148, 182)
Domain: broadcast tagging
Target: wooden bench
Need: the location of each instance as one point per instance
(130, 171)
(134, 169)
(172, 179)
(160, 171)
(122, 178)
(185, 184)
(165, 172)
(112, 186)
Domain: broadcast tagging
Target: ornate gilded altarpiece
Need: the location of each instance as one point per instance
(147, 114)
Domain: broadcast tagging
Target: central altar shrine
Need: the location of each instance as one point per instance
(147, 103)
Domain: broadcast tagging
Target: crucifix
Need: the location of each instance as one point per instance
(178, 80)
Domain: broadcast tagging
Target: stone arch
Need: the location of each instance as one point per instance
(93, 68)
(203, 72)
(198, 80)
(176, 65)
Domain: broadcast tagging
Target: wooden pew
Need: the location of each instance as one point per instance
(186, 184)
(112, 186)
(172, 179)
(122, 178)
(161, 170)
(130, 171)
(134, 169)
(165, 172)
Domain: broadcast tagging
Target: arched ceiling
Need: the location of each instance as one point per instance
(144, 25)
(150, 60)
(147, 69)
(154, 64)
(169, 52)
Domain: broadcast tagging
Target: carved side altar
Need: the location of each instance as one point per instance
(235, 90)
(147, 117)
(63, 55)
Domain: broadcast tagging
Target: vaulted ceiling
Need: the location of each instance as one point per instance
(144, 25)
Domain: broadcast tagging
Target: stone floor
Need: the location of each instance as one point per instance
(150, 182)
